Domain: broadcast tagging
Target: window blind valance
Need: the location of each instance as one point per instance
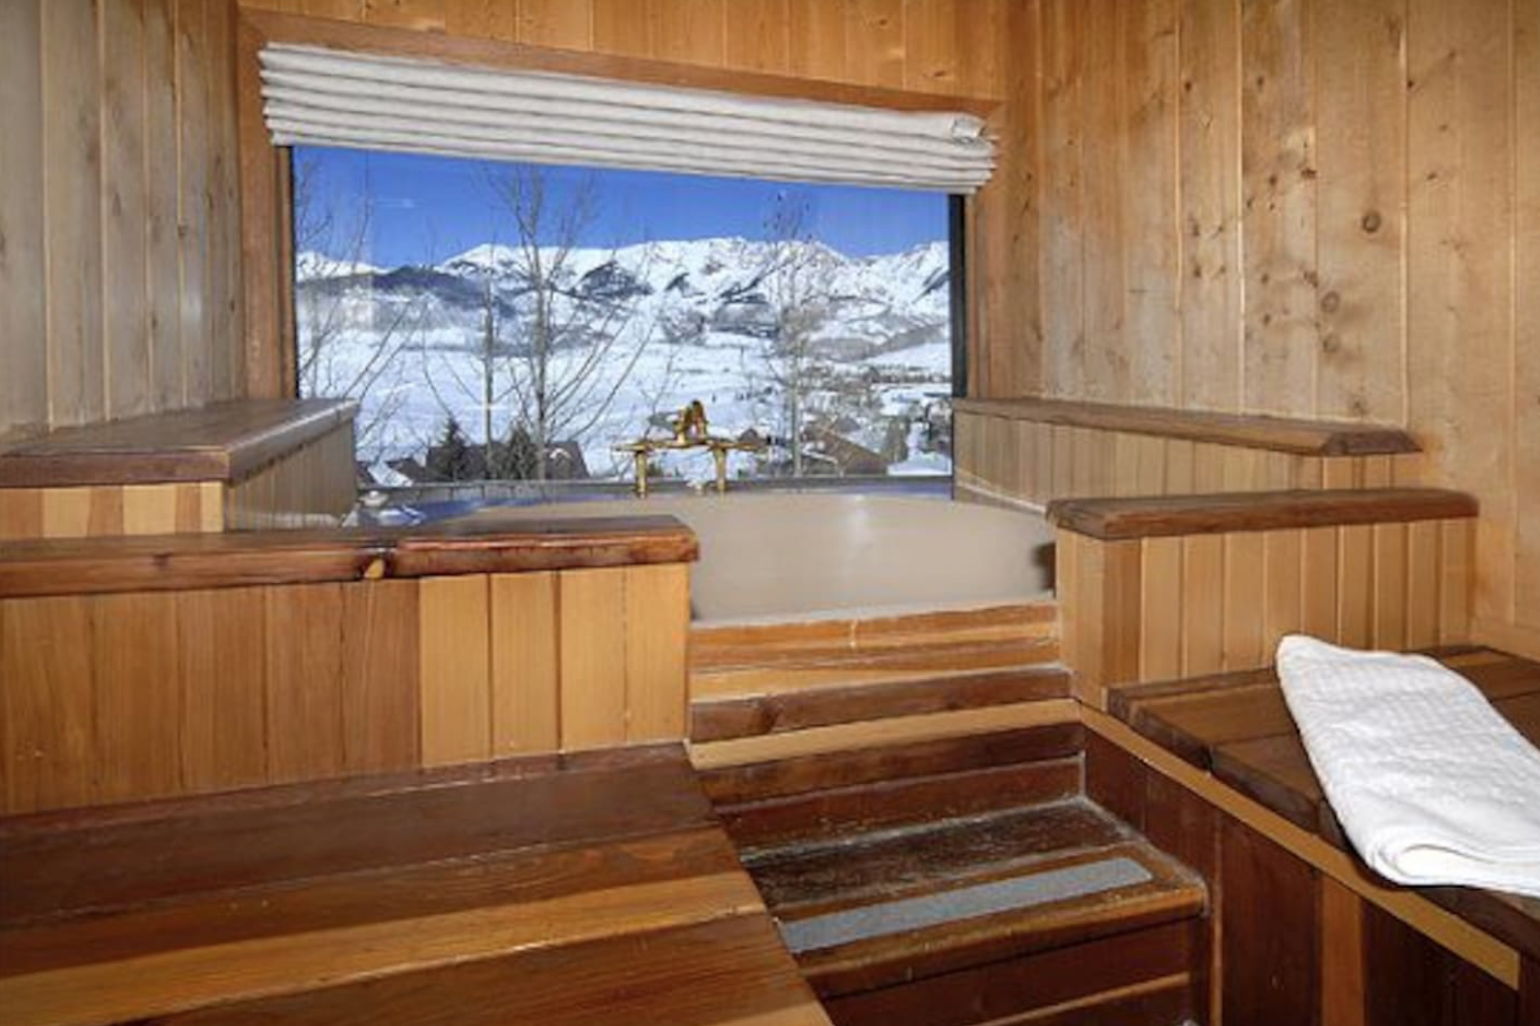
(317, 96)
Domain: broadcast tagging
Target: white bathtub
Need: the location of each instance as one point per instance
(786, 556)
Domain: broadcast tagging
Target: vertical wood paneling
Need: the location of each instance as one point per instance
(48, 727)
(122, 697)
(874, 41)
(526, 709)
(1279, 210)
(657, 620)
(1209, 195)
(454, 676)
(123, 231)
(120, 153)
(1283, 558)
(1203, 610)
(1061, 269)
(379, 640)
(223, 675)
(194, 124)
(1244, 601)
(593, 658)
(1160, 641)
(1342, 955)
(23, 327)
(137, 687)
(162, 266)
(817, 38)
(1461, 331)
(1148, 190)
(559, 23)
(1376, 159)
(758, 36)
(1105, 358)
(304, 681)
(72, 207)
(1526, 316)
(1361, 157)
(1355, 586)
(1390, 586)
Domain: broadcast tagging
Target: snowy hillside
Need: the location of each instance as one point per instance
(689, 319)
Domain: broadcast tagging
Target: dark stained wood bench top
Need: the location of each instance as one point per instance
(232, 559)
(1237, 727)
(1277, 434)
(1168, 515)
(221, 442)
(595, 888)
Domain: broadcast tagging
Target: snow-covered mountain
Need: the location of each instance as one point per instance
(689, 319)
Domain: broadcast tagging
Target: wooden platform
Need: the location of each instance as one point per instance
(1276, 434)
(592, 889)
(1163, 516)
(221, 442)
(1237, 727)
(965, 880)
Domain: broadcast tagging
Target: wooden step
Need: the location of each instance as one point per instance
(883, 666)
(799, 799)
(739, 645)
(931, 903)
(754, 715)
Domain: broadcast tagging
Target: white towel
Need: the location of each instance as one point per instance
(1430, 782)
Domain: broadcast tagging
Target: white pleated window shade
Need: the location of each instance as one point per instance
(318, 96)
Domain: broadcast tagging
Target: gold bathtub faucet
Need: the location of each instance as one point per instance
(691, 430)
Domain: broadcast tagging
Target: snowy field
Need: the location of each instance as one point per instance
(690, 320)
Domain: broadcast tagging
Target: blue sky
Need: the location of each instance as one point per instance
(430, 208)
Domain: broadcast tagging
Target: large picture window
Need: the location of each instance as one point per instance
(515, 322)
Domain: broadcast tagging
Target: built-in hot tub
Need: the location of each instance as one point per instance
(786, 556)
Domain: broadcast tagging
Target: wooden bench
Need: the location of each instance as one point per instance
(1167, 587)
(239, 464)
(1033, 450)
(1236, 728)
(579, 889)
(136, 668)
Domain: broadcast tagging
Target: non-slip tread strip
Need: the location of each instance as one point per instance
(848, 926)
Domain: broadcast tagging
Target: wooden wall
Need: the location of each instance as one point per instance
(1302, 207)
(120, 265)
(121, 697)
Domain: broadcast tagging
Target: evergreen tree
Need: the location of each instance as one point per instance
(452, 459)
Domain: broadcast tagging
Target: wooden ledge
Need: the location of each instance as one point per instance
(185, 561)
(1162, 516)
(1277, 434)
(221, 442)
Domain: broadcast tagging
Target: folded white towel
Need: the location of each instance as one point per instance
(1432, 784)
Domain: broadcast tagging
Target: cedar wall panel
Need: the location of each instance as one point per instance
(120, 252)
(1295, 207)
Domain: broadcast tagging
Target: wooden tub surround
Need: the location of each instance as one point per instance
(231, 465)
(1341, 945)
(136, 668)
(594, 889)
(1155, 588)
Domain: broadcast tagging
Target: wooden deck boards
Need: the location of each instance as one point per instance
(593, 889)
(1236, 727)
